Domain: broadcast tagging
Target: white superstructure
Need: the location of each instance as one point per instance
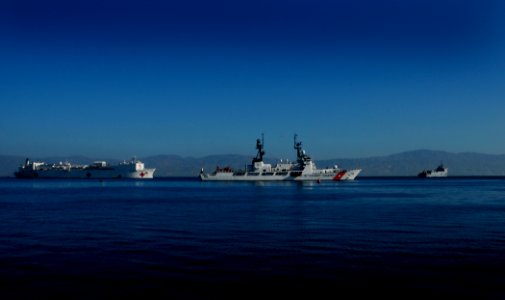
(303, 170)
(133, 168)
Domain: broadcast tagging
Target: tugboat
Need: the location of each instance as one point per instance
(99, 169)
(303, 170)
(440, 171)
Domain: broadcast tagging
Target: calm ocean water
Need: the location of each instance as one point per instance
(188, 239)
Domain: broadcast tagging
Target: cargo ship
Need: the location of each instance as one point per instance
(304, 169)
(133, 169)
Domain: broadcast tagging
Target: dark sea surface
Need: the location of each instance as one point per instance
(181, 238)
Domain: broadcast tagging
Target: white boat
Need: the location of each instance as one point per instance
(134, 169)
(440, 171)
(303, 170)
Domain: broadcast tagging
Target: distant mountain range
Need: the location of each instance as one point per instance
(402, 164)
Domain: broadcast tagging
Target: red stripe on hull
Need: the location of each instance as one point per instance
(339, 175)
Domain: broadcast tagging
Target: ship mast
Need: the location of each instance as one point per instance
(300, 153)
(297, 146)
(260, 144)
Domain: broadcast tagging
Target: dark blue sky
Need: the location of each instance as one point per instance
(352, 78)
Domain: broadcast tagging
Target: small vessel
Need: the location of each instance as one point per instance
(303, 170)
(440, 171)
(99, 169)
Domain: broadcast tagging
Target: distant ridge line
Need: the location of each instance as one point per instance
(407, 163)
